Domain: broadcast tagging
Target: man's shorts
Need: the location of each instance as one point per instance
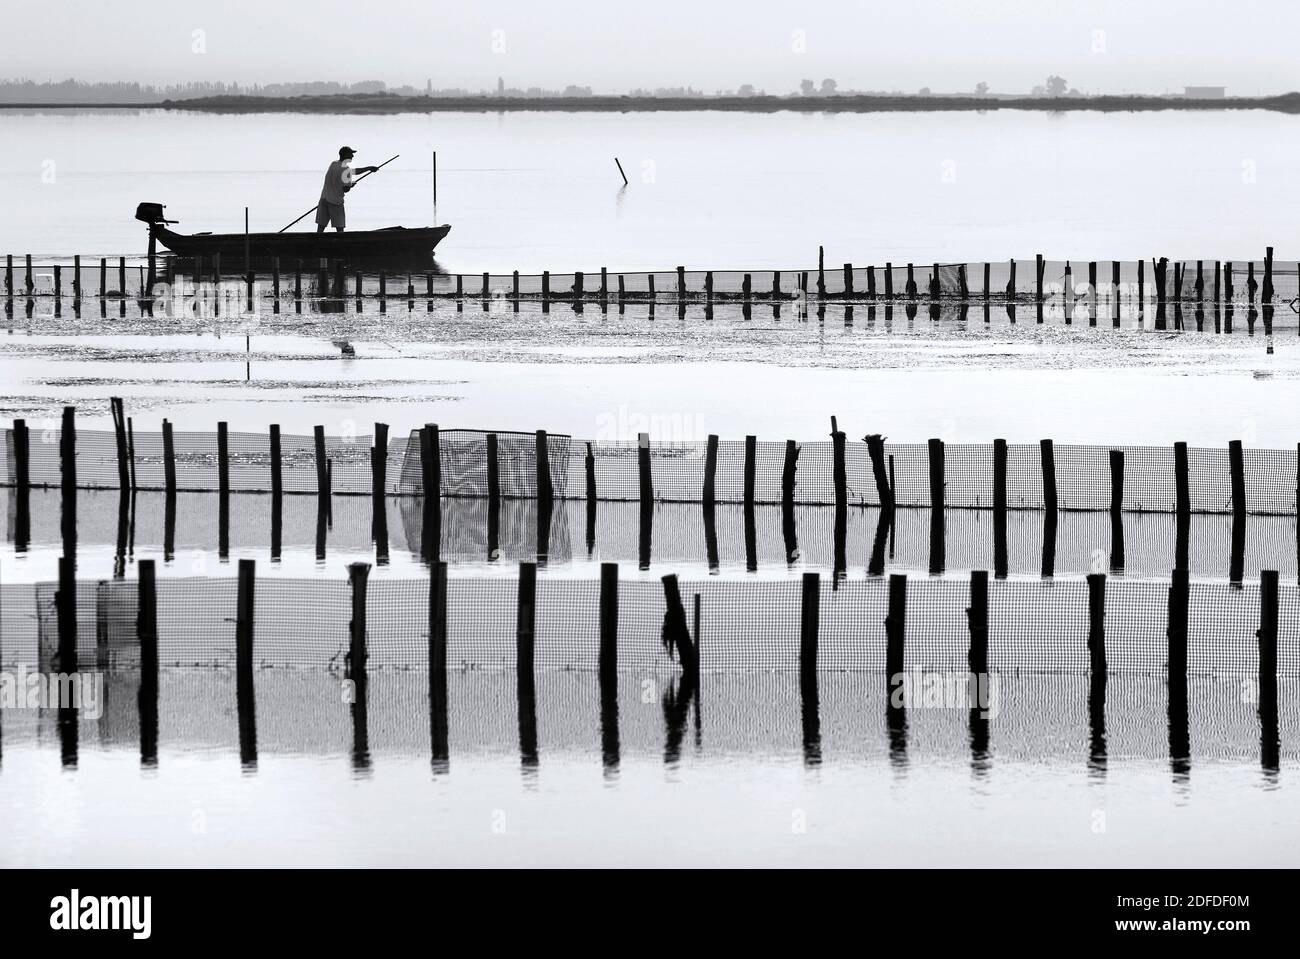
(328, 213)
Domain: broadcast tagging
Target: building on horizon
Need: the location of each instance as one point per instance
(1205, 93)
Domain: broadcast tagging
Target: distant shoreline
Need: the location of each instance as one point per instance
(383, 103)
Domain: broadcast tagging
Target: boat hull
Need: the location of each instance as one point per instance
(392, 244)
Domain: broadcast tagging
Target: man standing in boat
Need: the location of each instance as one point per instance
(338, 180)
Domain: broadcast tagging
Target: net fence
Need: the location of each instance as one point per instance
(1185, 281)
(677, 470)
(743, 625)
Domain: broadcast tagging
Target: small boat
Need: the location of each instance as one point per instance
(391, 244)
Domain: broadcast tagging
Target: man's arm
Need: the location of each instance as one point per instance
(352, 174)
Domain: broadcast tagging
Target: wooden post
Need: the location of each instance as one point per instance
(22, 460)
(1182, 506)
(589, 468)
(545, 491)
(223, 490)
(708, 286)
(169, 459)
(431, 463)
(275, 277)
(68, 467)
(895, 626)
(678, 631)
(751, 469)
(871, 283)
(9, 274)
(223, 460)
(884, 489)
(379, 466)
(493, 471)
(839, 471)
(297, 280)
(322, 474)
(1237, 466)
(977, 619)
(1038, 272)
(277, 476)
(608, 624)
(1097, 622)
(1182, 495)
(58, 281)
(848, 280)
(121, 274)
(937, 557)
(119, 434)
(1000, 508)
(681, 283)
(808, 628)
(244, 690)
(22, 520)
(431, 491)
(29, 283)
(1049, 477)
(911, 283)
(1227, 281)
(1237, 557)
(889, 281)
(103, 276)
(788, 474)
(1267, 292)
(710, 470)
(1117, 509)
(1011, 280)
(643, 469)
(546, 285)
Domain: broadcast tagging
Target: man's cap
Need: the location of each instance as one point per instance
(347, 153)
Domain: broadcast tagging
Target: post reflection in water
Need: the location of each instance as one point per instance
(1097, 724)
(679, 693)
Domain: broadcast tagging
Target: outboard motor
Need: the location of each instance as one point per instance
(152, 213)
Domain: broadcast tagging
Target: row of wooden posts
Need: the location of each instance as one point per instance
(430, 459)
(429, 545)
(29, 283)
(579, 292)
(683, 638)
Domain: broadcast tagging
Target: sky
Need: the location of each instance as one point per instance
(1102, 46)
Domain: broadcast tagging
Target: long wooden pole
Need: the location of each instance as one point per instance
(354, 183)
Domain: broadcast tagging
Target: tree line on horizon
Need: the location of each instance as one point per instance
(22, 90)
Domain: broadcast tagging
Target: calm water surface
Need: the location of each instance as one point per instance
(708, 190)
(736, 776)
